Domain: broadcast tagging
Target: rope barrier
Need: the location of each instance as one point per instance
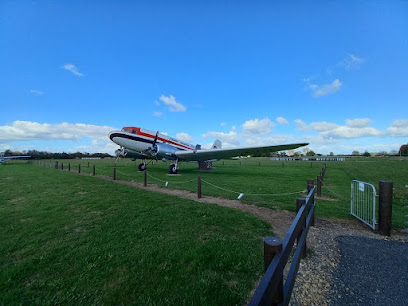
(220, 187)
(160, 180)
(340, 196)
(127, 174)
(253, 194)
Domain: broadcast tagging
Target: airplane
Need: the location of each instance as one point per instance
(5, 158)
(145, 144)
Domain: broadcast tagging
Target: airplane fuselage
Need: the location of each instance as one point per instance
(142, 140)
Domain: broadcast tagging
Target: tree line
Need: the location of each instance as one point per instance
(48, 155)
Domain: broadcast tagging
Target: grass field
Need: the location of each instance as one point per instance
(273, 184)
(69, 239)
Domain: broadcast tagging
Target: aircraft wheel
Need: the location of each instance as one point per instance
(172, 169)
(142, 167)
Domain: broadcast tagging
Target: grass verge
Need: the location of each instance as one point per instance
(68, 239)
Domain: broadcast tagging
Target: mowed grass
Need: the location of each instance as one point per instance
(69, 239)
(273, 184)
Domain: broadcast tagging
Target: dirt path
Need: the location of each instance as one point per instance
(314, 283)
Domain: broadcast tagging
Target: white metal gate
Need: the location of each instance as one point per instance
(363, 202)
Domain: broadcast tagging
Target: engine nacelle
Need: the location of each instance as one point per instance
(164, 151)
(121, 152)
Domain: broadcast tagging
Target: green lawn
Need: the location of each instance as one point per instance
(273, 184)
(68, 239)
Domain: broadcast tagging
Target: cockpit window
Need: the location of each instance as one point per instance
(127, 130)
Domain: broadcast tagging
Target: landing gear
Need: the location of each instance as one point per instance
(173, 169)
(142, 167)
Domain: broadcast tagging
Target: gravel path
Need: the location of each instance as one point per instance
(370, 272)
(341, 268)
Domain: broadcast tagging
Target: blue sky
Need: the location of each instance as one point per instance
(332, 73)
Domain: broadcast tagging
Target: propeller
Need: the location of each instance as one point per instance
(119, 153)
(153, 148)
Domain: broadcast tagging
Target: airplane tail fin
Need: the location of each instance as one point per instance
(217, 144)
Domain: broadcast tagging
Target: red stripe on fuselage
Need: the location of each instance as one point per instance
(139, 132)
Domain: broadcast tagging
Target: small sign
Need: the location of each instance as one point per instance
(361, 186)
(166, 184)
(240, 196)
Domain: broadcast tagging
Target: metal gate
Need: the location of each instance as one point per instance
(363, 202)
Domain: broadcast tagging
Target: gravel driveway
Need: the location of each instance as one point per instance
(348, 264)
(370, 272)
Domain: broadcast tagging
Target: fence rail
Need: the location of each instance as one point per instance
(271, 290)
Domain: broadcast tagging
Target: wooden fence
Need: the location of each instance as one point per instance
(272, 290)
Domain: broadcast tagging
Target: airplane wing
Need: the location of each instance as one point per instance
(201, 155)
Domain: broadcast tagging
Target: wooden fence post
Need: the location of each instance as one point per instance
(199, 187)
(79, 168)
(145, 177)
(310, 187)
(273, 245)
(93, 170)
(114, 173)
(62, 166)
(88, 164)
(385, 208)
(319, 186)
(299, 203)
(69, 167)
(56, 164)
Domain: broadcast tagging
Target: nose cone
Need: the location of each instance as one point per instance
(113, 135)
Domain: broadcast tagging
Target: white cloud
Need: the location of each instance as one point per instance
(358, 123)
(28, 130)
(352, 62)
(350, 132)
(223, 123)
(173, 105)
(326, 89)
(354, 128)
(73, 69)
(36, 92)
(230, 138)
(398, 128)
(265, 141)
(302, 126)
(157, 114)
(184, 137)
(259, 127)
(323, 126)
(282, 120)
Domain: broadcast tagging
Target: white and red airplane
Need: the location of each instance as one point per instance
(146, 144)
